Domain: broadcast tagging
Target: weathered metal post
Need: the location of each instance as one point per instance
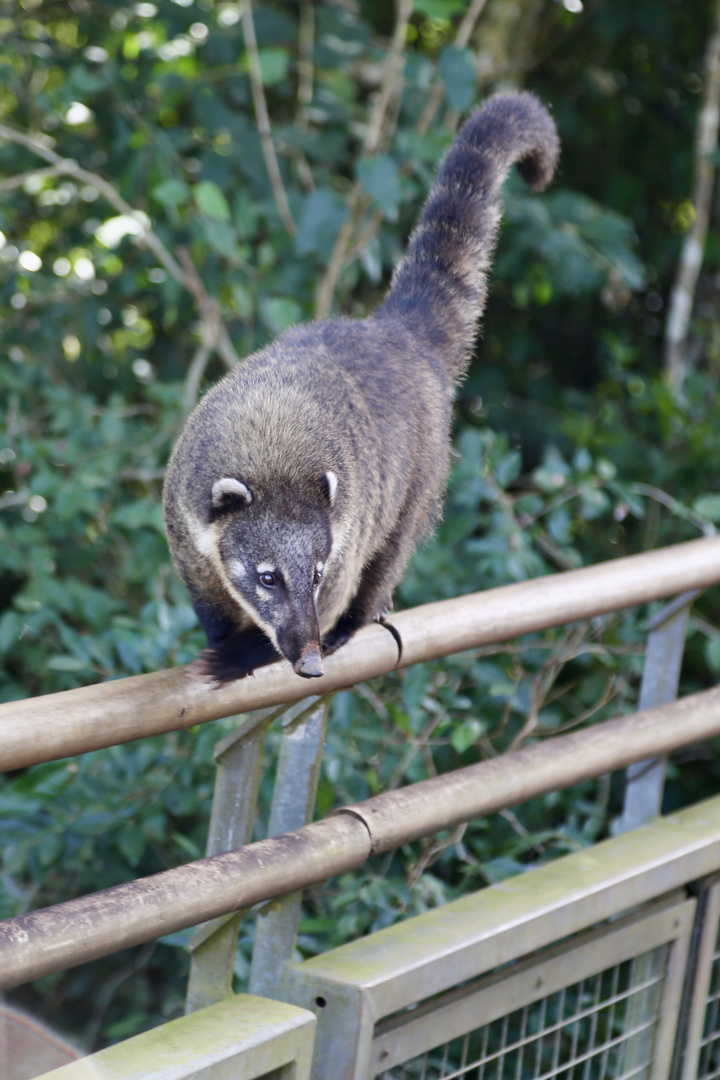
(644, 781)
(238, 758)
(293, 804)
(644, 784)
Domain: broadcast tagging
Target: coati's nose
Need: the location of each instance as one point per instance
(310, 664)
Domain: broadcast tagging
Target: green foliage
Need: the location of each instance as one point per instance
(571, 448)
(458, 70)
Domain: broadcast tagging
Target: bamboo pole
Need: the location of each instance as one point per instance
(59, 937)
(76, 721)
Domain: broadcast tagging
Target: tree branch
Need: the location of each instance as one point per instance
(437, 93)
(214, 332)
(675, 507)
(346, 249)
(12, 182)
(68, 167)
(691, 252)
(356, 204)
(376, 131)
(193, 377)
(306, 40)
(391, 81)
(462, 38)
(306, 75)
(262, 118)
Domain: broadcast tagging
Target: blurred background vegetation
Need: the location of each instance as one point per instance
(182, 179)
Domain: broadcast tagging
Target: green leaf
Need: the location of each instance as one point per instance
(66, 663)
(380, 177)
(708, 506)
(508, 468)
(9, 899)
(712, 653)
(49, 849)
(10, 626)
(187, 845)
(559, 525)
(221, 238)
(322, 216)
(210, 201)
(131, 842)
(279, 312)
(274, 64)
(440, 9)
(465, 734)
(180, 939)
(415, 685)
(171, 193)
(139, 515)
(459, 76)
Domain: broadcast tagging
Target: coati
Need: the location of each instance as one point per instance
(302, 482)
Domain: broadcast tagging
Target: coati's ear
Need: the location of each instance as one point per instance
(229, 494)
(330, 483)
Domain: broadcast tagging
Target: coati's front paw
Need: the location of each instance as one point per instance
(234, 657)
(335, 640)
(214, 670)
(341, 632)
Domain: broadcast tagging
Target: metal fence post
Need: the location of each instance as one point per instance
(238, 758)
(645, 780)
(293, 804)
(644, 783)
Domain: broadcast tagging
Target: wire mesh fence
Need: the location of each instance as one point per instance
(600, 1028)
(709, 1060)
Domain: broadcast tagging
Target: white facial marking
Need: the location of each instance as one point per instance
(204, 539)
(229, 486)
(319, 567)
(265, 568)
(332, 482)
(236, 568)
(339, 536)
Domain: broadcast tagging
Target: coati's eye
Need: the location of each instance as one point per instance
(268, 580)
(317, 577)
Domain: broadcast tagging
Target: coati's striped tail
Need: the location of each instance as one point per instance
(441, 284)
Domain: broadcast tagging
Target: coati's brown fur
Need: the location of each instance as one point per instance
(303, 481)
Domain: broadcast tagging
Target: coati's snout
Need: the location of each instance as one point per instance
(301, 646)
(310, 663)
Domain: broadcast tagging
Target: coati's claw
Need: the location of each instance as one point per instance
(398, 640)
